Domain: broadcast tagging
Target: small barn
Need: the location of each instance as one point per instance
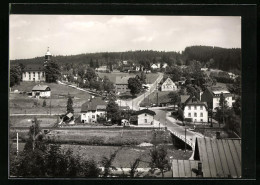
(41, 91)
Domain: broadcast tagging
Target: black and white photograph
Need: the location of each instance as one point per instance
(125, 96)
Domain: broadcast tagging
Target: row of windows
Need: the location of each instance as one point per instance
(195, 107)
(33, 73)
(195, 114)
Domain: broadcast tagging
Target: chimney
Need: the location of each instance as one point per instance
(217, 135)
(200, 173)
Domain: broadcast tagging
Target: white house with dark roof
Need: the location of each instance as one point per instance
(91, 110)
(168, 85)
(121, 85)
(145, 117)
(41, 91)
(212, 96)
(195, 110)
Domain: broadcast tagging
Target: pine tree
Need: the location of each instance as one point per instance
(70, 105)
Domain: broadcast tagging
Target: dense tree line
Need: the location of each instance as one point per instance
(214, 57)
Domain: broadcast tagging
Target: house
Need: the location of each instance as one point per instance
(212, 96)
(41, 91)
(145, 117)
(155, 66)
(195, 110)
(121, 85)
(124, 62)
(212, 158)
(204, 69)
(126, 68)
(168, 85)
(92, 110)
(164, 65)
(102, 69)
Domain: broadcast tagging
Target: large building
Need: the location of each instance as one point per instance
(121, 85)
(35, 72)
(168, 85)
(91, 110)
(195, 110)
(212, 96)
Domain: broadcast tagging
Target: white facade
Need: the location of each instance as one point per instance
(154, 66)
(216, 102)
(34, 76)
(168, 85)
(198, 113)
(91, 116)
(41, 94)
(145, 119)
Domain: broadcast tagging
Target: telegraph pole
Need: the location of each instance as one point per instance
(185, 137)
(17, 144)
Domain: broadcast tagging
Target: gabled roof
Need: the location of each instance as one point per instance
(219, 157)
(145, 111)
(41, 88)
(192, 100)
(168, 81)
(93, 105)
(184, 98)
(122, 80)
(34, 67)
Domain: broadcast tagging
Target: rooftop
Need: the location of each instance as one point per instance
(93, 105)
(41, 88)
(219, 157)
(34, 67)
(145, 111)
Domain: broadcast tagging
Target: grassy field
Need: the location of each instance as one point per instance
(108, 137)
(20, 103)
(23, 121)
(151, 77)
(125, 156)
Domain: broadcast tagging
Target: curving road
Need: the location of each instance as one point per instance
(136, 102)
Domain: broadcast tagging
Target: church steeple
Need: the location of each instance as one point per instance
(48, 55)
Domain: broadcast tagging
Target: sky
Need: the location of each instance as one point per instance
(31, 35)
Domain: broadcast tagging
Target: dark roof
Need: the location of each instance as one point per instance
(145, 111)
(93, 105)
(219, 157)
(34, 67)
(183, 168)
(41, 88)
(192, 100)
(184, 98)
(216, 91)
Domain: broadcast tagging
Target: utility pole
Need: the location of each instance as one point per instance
(17, 144)
(185, 138)
(50, 106)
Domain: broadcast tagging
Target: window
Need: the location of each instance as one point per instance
(201, 107)
(201, 114)
(42, 74)
(195, 107)
(93, 116)
(195, 114)
(39, 74)
(189, 107)
(34, 74)
(201, 120)
(145, 120)
(145, 114)
(189, 115)
(29, 73)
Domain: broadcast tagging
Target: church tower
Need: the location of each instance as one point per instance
(48, 56)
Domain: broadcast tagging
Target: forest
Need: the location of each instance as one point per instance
(213, 57)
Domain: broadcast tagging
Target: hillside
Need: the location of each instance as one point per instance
(215, 57)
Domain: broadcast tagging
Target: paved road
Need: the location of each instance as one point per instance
(165, 120)
(136, 102)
